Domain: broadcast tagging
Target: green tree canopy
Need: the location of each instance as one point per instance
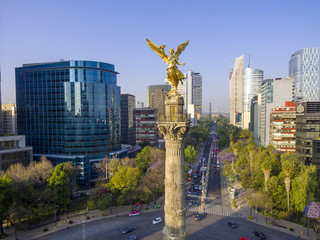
(59, 183)
(143, 159)
(190, 154)
(6, 192)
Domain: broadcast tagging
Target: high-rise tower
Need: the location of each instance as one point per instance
(251, 86)
(69, 111)
(304, 68)
(194, 96)
(236, 92)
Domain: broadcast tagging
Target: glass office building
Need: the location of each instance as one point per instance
(304, 67)
(128, 119)
(69, 111)
(251, 86)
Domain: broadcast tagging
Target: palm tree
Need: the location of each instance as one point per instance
(266, 168)
(288, 164)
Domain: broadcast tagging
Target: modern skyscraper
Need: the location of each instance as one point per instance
(308, 129)
(156, 95)
(194, 95)
(274, 92)
(304, 67)
(255, 117)
(9, 118)
(1, 130)
(251, 86)
(69, 111)
(128, 119)
(236, 92)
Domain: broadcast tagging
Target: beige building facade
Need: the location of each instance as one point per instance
(9, 118)
(236, 91)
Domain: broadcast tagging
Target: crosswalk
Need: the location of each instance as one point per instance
(216, 210)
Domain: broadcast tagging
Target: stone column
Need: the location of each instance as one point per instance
(174, 127)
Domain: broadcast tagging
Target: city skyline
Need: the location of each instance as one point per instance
(115, 32)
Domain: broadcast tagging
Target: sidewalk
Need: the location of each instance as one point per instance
(281, 225)
(79, 219)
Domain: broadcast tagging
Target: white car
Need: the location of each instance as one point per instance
(157, 220)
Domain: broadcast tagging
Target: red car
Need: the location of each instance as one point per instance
(244, 238)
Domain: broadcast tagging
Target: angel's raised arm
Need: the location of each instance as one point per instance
(158, 50)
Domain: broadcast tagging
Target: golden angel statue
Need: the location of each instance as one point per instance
(174, 75)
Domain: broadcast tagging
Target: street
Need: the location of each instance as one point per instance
(210, 227)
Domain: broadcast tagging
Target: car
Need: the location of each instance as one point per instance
(196, 217)
(233, 225)
(134, 213)
(259, 234)
(195, 187)
(244, 238)
(127, 230)
(132, 237)
(192, 182)
(190, 203)
(196, 203)
(200, 187)
(157, 220)
(189, 193)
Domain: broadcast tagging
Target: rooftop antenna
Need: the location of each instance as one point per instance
(249, 60)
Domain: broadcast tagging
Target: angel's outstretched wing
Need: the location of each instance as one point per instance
(158, 50)
(180, 48)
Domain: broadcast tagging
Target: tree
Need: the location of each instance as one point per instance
(59, 183)
(223, 141)
(277, 191)
(228, 171)
(304, 186)
(6, 192)
(288, 163)
(266, 168)
(153, 181)
(40, 171)
(125, 181)
(143, 159)
(190, 154)
(104, 203)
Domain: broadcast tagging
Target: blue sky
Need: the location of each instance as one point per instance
(115, 32)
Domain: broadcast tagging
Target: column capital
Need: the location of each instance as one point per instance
(173, 131)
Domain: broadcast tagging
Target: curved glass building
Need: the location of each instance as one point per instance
(304, 67)
(251, 86)
(69, 111)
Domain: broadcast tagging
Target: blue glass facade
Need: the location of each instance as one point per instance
(251, 86)
(69, 111)
(304, 67)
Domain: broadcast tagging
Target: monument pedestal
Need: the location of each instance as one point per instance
(174, 127)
